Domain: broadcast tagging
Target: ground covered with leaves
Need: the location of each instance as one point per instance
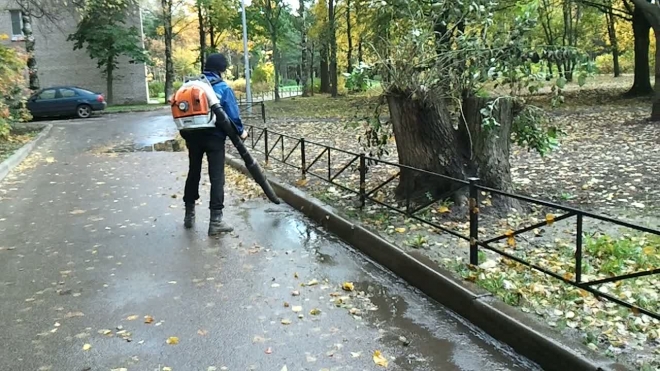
(607, 164)
(17, 138)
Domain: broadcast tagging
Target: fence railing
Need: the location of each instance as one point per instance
(285, 92)
(253, 110)
(339, 167)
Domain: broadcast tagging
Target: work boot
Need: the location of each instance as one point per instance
(189, 219)
(216, 225)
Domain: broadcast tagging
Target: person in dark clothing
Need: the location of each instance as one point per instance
(212, 143)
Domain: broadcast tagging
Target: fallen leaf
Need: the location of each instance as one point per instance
(172, 340)
(202, 332)
(77, 212)
(295, 293)
(443, 209)
(132, 318)
(87, 347)
(148, 319)
(295, 275)
(269, 351)
(356, 354)
(167, 368)
(286, 322)
(296, 308)
(50, 160)
(311, 283)
(284, 368)
(379, 359)
(315, 312)
(348, 286)
(400, 230)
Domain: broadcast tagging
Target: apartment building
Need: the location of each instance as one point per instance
(59, 64)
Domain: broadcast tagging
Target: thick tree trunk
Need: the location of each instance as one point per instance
(614, 44)
(334, 89)
(642, 82)
(425, 139)
(349, 53)
(169, 63)
(491, 147)
(29, 50)
(324, 67)
(655, 111)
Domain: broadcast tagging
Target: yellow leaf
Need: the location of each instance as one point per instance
(148, 319)
(509, 233)
(379, 359)
(87, 347)
(568, 276)
(511, 241)
(400, 230)
(302, 182)
(348, 286)
(4, 36)
(295, 275)
(286, 322)
(172, 340)
(443, 209)
(315, 312)
(649, 250)
(132, 318)
(296, 308)
(549, 219)
(50, 160)
(167, 368)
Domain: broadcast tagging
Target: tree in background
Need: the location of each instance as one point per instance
(303, 46)
(269, 15)
(12, 89)
(102, 31)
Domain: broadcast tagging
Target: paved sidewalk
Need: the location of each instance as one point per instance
(93, 247)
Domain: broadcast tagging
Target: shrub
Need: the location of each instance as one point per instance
(264, 72)
(13, 91)
(358, 80)
(156, 88)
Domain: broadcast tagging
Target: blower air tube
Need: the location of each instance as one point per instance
(223, 122)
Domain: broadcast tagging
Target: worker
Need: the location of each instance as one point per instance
(212, 143)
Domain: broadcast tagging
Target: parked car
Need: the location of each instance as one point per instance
(65, 101)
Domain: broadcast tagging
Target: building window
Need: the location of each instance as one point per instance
(16, 24)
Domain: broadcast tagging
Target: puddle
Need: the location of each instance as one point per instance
(156, 144)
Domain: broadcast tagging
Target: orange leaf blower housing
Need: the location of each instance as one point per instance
(190, 108)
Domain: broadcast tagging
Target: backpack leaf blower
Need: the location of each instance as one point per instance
(196, 106)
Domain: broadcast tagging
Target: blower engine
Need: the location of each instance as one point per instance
(196, 106)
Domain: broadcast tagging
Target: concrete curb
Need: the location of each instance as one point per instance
(527, 337)
(14, 160)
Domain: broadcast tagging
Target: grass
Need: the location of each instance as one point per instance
(323, 106)
(17, 138)
(121, 108)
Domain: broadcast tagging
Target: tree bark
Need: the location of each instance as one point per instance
(334, 89)
(491, 147)
(303, 44)
(202, 35)
(614, 44)
(311, 69)
(349, 53)
(655, 110)
(425, 139)
(109, 77)
(276, 61)
(325, 69)
(642, 81)
(169, 63)
(29, 50)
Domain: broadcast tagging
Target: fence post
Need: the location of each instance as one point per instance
(363, 180)
(302, 158)
(578, 250)
(263, 112)
(474, 221)
(266, 143)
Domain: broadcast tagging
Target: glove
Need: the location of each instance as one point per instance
(244, 135)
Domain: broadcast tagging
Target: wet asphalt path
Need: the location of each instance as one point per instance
(92, 242)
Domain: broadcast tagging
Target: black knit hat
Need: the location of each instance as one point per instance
(216, 62)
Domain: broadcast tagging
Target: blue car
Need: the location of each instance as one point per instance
(65, 101)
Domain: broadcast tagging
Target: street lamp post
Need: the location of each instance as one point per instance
(246, 59)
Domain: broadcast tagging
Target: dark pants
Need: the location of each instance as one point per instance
(214, 147)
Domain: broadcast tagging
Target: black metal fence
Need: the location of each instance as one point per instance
(340, 166)
(254, 110)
